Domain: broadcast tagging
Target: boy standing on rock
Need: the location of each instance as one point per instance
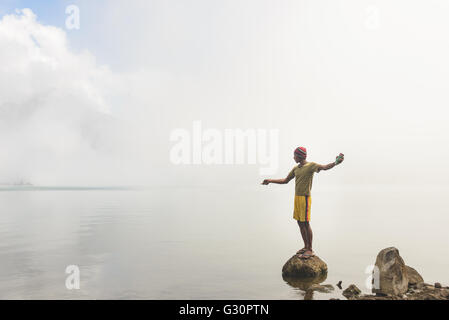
(303, 174)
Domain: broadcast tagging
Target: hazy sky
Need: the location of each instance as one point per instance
(97, 105)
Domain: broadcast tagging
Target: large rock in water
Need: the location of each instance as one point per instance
(390, 277)
(312, 267)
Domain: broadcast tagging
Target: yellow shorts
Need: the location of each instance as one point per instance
(302, 208)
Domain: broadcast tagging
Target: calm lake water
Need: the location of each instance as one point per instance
(209, 243)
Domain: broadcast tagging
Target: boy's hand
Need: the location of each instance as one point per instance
(266, 181)
(340, 158)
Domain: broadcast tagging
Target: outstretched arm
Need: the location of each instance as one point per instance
(278, 181)
(338, 160)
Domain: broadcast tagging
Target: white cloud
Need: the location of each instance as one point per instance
(56, 124)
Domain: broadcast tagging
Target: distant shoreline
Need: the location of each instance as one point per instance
(10, 187)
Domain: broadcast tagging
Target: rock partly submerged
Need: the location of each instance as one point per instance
(390, 273)
(352, 291)
(309, 268)
(397, 281)
(306, 275)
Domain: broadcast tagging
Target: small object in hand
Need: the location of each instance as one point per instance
(339, 158)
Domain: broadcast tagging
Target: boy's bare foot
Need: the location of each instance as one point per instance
(301, 251)
(307, 254)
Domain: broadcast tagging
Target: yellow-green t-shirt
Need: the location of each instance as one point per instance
(303, 178)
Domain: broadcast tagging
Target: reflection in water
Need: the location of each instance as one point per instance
(140, 244)
(305, 284)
